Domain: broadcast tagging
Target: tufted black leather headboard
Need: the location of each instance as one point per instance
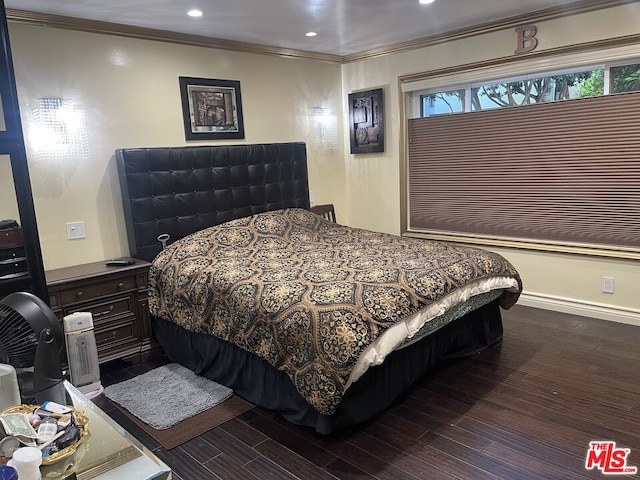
(181, 190)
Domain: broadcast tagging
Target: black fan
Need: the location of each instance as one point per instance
(31, 340)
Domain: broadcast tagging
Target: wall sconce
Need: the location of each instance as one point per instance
(323, 126)
(59, 130)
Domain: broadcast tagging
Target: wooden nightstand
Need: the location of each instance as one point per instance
(116, 297)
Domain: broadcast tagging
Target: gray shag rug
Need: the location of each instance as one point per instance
(167, 395)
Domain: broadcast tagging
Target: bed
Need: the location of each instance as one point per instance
(326, 324)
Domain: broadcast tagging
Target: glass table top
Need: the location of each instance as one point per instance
(109, 452)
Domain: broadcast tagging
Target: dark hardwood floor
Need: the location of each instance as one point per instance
(526, 409)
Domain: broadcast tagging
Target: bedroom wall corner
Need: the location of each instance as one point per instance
(126, 93)
(553, 281)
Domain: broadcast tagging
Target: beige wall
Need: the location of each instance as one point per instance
(568, 282)
(128, 92)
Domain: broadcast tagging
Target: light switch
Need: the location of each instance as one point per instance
(75, 230)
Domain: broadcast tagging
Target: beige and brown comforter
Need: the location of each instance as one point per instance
(313, 297)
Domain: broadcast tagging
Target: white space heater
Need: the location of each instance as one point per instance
(82, 353)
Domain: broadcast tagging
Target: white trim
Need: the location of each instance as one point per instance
(580, 307)
(530, 67)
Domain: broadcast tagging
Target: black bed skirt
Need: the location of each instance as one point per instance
(258, 382)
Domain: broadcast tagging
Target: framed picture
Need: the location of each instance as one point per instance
(366, 121)
(211, 109)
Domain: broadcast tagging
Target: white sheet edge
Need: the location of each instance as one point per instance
(386, 343)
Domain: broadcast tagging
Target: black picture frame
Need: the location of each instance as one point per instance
(211, 109)
(366, 121)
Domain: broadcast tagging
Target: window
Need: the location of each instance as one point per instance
(550, 88)
(560, 171)
(442, 103)
(625, 78)
(528, 90)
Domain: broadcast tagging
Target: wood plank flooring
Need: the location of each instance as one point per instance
(526, 409)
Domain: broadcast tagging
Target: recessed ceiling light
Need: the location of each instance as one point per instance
(194, 13)
(311, 34)
(426, 2)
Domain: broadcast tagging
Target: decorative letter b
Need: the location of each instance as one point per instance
(527, 41)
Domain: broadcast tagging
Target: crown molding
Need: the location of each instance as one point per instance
(575, 8)
(25, 17)
(604, 44)
(107, 28)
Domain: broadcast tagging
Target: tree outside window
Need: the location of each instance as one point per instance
(543, 89)
(625, 78)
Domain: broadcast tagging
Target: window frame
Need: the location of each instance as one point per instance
(412, 86)
(468, 87)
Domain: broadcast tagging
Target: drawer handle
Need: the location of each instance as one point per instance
(105, 312)
(114, 334)
(79, 294)
(120, 285)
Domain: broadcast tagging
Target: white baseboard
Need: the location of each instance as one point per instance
(580, 307)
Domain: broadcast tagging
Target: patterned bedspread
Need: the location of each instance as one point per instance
(310, 296)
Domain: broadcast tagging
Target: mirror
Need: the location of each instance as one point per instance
(3, 124)
(8, 203)
(19, 235)
(13, 263)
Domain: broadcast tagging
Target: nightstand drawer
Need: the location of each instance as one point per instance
(95, 290)
(116, 333)
(11, 237)
(12, 253)
(116, 297)
(13, 267)
(118, 340)
(105, 310)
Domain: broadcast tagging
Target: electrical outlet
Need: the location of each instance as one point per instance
(75, 230)
(607, 284)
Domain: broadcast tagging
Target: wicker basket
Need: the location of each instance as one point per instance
(81, 422)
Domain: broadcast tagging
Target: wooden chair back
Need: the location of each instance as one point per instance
(326, 211)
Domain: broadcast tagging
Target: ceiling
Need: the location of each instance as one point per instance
(344, 27)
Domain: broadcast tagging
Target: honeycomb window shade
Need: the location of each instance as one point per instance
(565, 173)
